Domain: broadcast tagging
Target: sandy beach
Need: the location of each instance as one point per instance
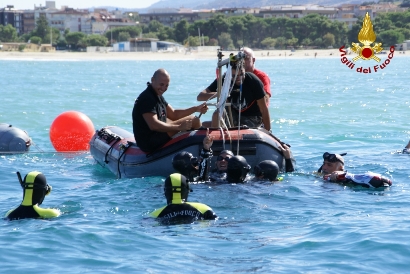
(64, 55)
(263, 54)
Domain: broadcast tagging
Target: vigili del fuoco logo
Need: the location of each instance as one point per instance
(366, 52)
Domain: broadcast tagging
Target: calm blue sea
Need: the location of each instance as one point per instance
(299, 225)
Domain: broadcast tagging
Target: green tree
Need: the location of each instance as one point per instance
(225, 41)
(155, 26)
(83, 43)
(166, 34)
(306, 42)
(216, 25)
(391, 37)
(8, 33)
(328, 39)
(192, 41)
(181, 31)
(123, 36)
(96, 40)
(61, 43)
(238, 30)
(35, 40)
(268, 43)
(281, 42)
(42, 28)
(150, 35)
(318, 42)
(73, 38)
(133, 31)
(292, 42)
(54, 34)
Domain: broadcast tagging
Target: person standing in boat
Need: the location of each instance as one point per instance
(154, 120)
(251, 104)
(249, 65)
(178, 209)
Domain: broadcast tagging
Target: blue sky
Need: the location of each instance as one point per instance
(80, 4)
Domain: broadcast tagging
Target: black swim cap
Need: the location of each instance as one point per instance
(237, 169)
(184, 163)
(35, 188)
(176, 188)
(334, 157)
(268, 169)
(227, 151)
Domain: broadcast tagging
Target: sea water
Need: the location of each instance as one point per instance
(301, 224)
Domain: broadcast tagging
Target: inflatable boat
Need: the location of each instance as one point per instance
(13, 140)
(115, 148)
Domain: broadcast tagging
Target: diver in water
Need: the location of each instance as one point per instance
(35, 188)
(178, 209)
(267, 170)
(333, 171)
(406, 149)
(186, 164)
(237, 169)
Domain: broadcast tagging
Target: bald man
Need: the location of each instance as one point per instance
(154, 120)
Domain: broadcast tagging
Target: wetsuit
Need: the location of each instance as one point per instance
(184, 212)
(35, 189)
(32, 211)
(368, 179)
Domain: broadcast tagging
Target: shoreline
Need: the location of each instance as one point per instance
(138, 56)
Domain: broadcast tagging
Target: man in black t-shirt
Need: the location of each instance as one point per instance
(154, 120)
(252, 106)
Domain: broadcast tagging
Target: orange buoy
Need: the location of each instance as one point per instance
(71, 131)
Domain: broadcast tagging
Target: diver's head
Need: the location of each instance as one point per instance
(35, 188)
(237, 169)
(222, 160)
(266, 170)
(332, 162)
(176, 188)
(184, 163)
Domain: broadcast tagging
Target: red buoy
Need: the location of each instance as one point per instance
(71, 131)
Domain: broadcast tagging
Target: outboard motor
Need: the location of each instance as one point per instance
(13, 139)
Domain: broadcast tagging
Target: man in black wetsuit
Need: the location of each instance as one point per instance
(178, 209)
(35, 189)
(154, 120)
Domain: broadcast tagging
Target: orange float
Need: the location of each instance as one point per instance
(71, 131)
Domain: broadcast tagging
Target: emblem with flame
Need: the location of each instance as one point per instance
(367, 37)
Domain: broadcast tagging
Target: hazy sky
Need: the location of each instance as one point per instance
(29, 4)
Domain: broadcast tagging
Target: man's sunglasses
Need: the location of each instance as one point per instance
(220, 158)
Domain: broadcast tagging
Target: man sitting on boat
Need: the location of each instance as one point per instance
(154, 120)
(333, 170)
(250, 104)
(178, 209)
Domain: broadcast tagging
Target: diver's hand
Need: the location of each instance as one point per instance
(208, 140)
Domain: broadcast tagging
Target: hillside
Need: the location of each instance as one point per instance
(208, 4)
